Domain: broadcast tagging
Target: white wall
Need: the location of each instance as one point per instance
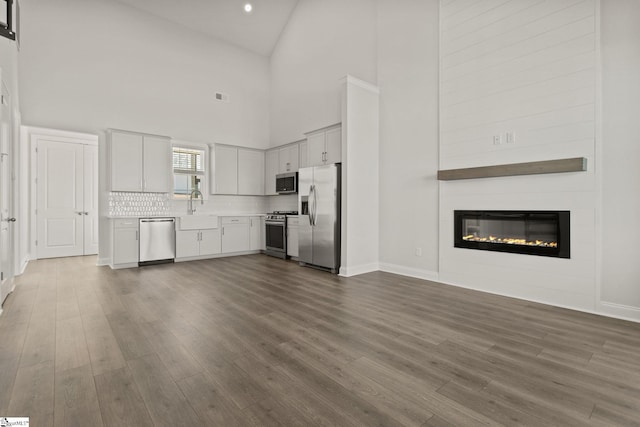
(408, 81)
(621, 151)
(89, 65)
(9, 67)
(323, 42)
(526, 67)
(360, 171)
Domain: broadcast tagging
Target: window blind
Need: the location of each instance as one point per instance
(188, 161)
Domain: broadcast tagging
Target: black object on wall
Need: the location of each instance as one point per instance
(7, 28)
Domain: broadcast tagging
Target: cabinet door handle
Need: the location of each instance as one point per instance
(136, 234)
(223, 231)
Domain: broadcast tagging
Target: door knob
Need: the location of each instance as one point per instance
(11, 219)
(86, 213)
(79, 213)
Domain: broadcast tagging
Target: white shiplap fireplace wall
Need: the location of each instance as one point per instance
(527, 67)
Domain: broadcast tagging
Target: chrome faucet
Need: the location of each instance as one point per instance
(194, 194)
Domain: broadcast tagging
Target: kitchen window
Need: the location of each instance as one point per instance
(189, 170)
(8, 16)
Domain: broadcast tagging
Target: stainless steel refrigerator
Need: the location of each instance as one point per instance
(319, 209)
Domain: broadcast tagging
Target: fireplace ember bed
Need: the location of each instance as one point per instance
(544, 233)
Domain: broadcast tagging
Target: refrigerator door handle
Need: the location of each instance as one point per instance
(315, 206)
(312, 204)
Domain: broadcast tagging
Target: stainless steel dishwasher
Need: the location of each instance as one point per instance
(157, 240)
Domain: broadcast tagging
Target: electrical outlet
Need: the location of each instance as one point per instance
(418, 251)
(511, 137)
(497, 140)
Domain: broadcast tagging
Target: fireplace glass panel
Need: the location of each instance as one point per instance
(528, 232)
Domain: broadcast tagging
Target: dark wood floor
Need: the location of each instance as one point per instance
(259, 341)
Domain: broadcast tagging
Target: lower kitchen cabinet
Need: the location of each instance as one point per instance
(236, 233)
(292, 237)
(192, 243)
(256, 233)
(210, 242)
(125, 242)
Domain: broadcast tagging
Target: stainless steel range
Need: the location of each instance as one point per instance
(276, 233)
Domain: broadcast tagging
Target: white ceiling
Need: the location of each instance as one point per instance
(226, 19)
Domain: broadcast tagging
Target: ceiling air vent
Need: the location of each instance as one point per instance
(222, 97)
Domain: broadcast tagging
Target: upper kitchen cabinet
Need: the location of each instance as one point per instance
(250, 172)
(139, 162)
(324, 146)
(225, 170)
(237, 171)
(303, 154)
(288, 158)
(270, 171)
(157, 166)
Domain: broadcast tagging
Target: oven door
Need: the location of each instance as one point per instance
(276, 238)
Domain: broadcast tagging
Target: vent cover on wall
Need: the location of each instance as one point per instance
(222, 97)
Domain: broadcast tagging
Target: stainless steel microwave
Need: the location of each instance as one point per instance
(287, 183)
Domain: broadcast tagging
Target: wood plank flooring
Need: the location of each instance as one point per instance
(255, 340)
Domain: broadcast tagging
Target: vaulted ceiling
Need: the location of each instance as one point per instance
(226, 20)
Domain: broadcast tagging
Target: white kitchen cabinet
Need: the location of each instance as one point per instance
(192, 243)
(125, 242)
(139, 162)
(157, 166)
(270, 171)
(235, 234)
(303, 155)
(324, 146)
(288, 158)
(256, 226)
(125, 154)
(225, 170)
(236, 170)
(251, 172)
(187, 243)
(292, 236)
(210, 242)
(333, 144)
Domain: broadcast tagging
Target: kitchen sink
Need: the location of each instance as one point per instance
(197, 222)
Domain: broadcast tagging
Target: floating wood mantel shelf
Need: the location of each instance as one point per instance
(576, 164)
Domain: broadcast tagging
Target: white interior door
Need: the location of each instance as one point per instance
(6, 219)
(60, 209)
(90, 184)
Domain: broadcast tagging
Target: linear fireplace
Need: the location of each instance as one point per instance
(544, 233)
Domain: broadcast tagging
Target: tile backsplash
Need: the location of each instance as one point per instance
(139, 204)
(123, 204)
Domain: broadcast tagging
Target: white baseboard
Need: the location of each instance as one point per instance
(103, 261)
(409, 271)
(359, 269)
(23, 264)
(619, 311)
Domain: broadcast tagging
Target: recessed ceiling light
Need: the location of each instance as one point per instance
(248, 8)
